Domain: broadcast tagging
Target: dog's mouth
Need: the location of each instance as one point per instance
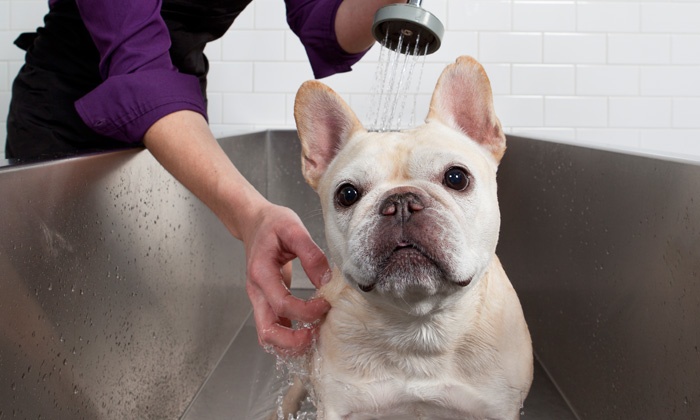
(409, 263)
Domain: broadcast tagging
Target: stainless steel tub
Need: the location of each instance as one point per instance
(121, 296)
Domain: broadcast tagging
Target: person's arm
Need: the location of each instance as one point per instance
(143, 97)
(140, 83)
(353, 23)
(273, 235)
(335, 33)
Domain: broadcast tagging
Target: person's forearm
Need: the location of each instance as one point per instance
(184, 145)
(353, 23)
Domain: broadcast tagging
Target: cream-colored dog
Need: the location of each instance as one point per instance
(424, 322)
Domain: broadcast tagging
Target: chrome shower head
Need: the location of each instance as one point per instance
(418, 27)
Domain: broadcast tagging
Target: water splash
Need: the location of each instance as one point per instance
(394, 84)
(296, 368)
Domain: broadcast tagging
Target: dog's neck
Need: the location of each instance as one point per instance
(399, 327)
(383, 340)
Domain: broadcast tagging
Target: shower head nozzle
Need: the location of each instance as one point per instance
(416, 26)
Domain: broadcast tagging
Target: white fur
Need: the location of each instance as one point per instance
(431, 347)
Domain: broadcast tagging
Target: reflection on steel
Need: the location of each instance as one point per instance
(604, 251)
(122, 296)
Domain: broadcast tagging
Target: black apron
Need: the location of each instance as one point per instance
(62, 66)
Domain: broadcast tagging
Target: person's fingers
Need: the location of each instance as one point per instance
(275, 332)
(279, 239)
(271, 284)
(312, 259)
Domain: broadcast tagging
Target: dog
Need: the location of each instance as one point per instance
(424, 323)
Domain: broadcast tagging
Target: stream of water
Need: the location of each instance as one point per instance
(395, 86)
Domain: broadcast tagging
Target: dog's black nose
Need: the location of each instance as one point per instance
(401, 205)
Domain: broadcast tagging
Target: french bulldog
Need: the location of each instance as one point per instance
(424, 323)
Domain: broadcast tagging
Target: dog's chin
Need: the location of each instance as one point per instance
(410, 276)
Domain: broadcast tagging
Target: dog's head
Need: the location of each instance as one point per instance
(410, 216)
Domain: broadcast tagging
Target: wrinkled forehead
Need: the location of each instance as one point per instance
(404, 154)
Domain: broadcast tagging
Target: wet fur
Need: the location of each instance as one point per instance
(445, 339)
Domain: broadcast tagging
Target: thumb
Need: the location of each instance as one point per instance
(312, 259)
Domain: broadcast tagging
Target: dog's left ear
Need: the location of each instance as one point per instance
(463, 100)
(324, 123)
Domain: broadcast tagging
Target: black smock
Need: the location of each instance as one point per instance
(62, 65)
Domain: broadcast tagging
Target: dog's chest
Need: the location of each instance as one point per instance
(369, 377)
(415, 399)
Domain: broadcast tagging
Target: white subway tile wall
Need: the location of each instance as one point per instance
(622, 74)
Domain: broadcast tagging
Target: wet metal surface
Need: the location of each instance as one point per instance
(122, 296)
(119, 291)
(604, 251)
(246, 384)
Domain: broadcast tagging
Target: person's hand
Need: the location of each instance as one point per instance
(276, 238)
(273, 235)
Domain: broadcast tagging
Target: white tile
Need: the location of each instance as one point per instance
(518, 47)
(265, 45)
(574, 48)
(8, 50)
(215, 107)
(439, 9)
(543, 133)
(245, 20)
(5, 81)
(4, 16)
(675, 143)
(685, 49)
(227, 130)
(359, 80)
(280, 77)
(575, 112)
(28, 14)
(479, 15)
(607, 80)
(519, 111)
(686, 112)
(639, 49)
(14, 66)
(539, 79)
(254, 108)
(361, 104)
(544, 16)
(607, 17)
(500, 76)
(681, 81)
(640, 112)
(671, 17)
(293, 48)
(373, 54)
(406, 115)
(230, 77)
(213, 50)
(454, 44)
(429, 77)
(270, 14)
(615, 137)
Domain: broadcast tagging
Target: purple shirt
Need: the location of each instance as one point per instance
(141, 84)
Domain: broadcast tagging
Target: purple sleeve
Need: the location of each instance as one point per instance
(141, 85)
(313, 21)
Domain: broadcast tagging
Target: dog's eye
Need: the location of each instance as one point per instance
(456, 178)
(347, 195)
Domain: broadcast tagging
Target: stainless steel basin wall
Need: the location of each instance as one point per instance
(120, 292)
(604, 251)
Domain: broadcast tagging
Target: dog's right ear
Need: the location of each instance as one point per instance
(324, 123)
(463, 100)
